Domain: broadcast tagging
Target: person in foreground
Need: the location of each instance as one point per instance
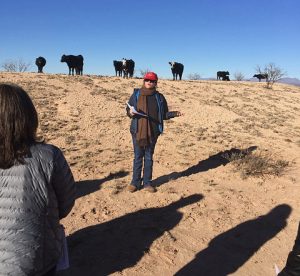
(37, 190)
(147, 108)
(292, 267)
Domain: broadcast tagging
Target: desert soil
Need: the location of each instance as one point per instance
(209, 216)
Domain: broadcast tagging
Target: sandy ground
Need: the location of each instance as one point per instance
(209, 217)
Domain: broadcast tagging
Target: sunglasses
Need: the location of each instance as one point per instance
(151, 81)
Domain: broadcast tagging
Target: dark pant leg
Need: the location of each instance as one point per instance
(139, 154)
(148, 162)
(51, 272)
(292, 267)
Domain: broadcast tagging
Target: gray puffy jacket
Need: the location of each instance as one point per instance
(33, 197)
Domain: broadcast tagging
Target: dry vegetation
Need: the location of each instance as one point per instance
(257, 164)
(227, 171)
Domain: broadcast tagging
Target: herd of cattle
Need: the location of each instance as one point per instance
(125, 68)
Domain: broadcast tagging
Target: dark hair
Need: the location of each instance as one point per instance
(18, 125)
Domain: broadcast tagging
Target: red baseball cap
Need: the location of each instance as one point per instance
(151, 76)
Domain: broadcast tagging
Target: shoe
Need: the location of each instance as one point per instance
(150, 189)
(131, 188)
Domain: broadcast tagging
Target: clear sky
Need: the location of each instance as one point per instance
(205, 35)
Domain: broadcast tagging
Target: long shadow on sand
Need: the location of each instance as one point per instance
(86, 187)
(120, 243)
(230, 250)
(212, 162)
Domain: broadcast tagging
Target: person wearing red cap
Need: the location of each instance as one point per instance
(147, 109)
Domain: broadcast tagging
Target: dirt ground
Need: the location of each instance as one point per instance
(211, 215)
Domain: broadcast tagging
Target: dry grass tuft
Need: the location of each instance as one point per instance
(257, 164)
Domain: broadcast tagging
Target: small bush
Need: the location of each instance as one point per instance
(273, 72)
(16, 65)
(257, 164)
(143, 72)
(239, 76)
(194, 76)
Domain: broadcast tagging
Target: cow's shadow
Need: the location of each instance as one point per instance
(231, 249)
(120, 243)
(214, 161)
(86, 187)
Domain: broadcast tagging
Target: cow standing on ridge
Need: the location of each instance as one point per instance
(261, 76)
(118, 67)
(222, 75)
(74, 63)
(40, 62)
(226, 78)
(177, 69)
(128, 67)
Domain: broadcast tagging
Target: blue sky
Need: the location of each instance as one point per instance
(205, 35)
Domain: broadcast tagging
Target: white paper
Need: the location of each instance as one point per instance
(134, 111)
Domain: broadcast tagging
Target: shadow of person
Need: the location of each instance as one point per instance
(231, 249)
(86, 187)
(214, 161)
(120, 243)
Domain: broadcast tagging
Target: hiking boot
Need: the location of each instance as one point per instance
(131, 188)
(150, 189)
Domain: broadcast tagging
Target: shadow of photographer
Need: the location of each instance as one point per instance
(230, 250)
(120, 243)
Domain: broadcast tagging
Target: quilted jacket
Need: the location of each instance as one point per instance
(33, 198)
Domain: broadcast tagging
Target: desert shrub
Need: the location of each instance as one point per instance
(194, 76)
(273, 72)
(143, 72)
(16, 65)
(257, 164)
(86, 81)
(69, 139)
(239, 76)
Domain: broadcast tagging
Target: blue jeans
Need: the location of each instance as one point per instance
(145, 153)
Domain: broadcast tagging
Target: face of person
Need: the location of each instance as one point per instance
(150, 83)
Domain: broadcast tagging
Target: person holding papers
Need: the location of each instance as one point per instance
(147, 108)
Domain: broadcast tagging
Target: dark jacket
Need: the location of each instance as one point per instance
(34, 197)
(163, 111)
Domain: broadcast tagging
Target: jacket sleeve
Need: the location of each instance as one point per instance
(171, 114)
(165, 108)
(63, 184)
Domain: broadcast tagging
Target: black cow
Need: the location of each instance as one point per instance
(222, 75)
(177, 69)
(118, 67)
(261, 76)
(128, 67)
(226, 78)
(40, 62)
(73, 62)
